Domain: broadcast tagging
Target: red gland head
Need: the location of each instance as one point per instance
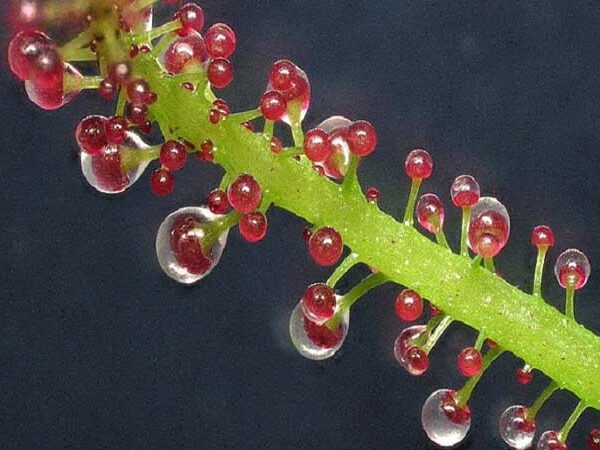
(453, 411)
(106, 89)
(184, 52)
(572, 268)
(220, 72)
(372, 195)
(430, 213)
(523, 376)
(362, 138)
(244, 194)
(162, 182)
(542, 236)
(408, 305)
(326, 246)
(116, 130)
(489, 227)
(276, 145)
(418, 164)
(220, 40)
(138, 91)
(416, 361)
(550, 440)
(173, 155)
(593, 440)
(273, 105)
(217, 202)
(253, 226)
(191, 17)
(91, 134)
(137, 113)
(465, 191)
(318, 303)
(317, 147)
(470, 362)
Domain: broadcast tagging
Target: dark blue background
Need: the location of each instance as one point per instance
(98, 349)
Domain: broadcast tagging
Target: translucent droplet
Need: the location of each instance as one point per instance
(515, 430)
(298, 92)
(338, 162)
(51, 96)
(316, 342)
(444, 422)
(404, 342)
(550, 441)
(104, 169)
(572, 267)
(489, 227)
(465, 191)
(181, 268)
(430, 213)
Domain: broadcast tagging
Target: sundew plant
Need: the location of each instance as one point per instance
(157, 83)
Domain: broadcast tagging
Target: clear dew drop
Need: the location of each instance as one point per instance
(404, 341)
(489, 219)
(514, 429)
(572, 266)
(436, 423)
(167, 258)
(338, 162)
(549, 441)
(51, 99)
(102, 170)
(304, 99)
(313, 341)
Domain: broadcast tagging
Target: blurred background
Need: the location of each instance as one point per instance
(99, 349)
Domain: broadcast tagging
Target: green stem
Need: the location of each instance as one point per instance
(78, 84)
(245, 116)
(412, 199)
(476, 261)
(143, 4)
(480, 340)
(517, 321)
(351, 185)
(149, 36)
(350, 261)
(131, 158)
(426, 334)
(161, 45)
(462, 397)
(121, 101)
(436, 334)
(539, 402)
(78, 49)
(358, 291)
(352, 296)
(539, 271)
(441, 239)
(489, 264)
(298, 135)
(269, 127)
(292, 151)
(571, 421)
(569, 301)
(466, 218)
